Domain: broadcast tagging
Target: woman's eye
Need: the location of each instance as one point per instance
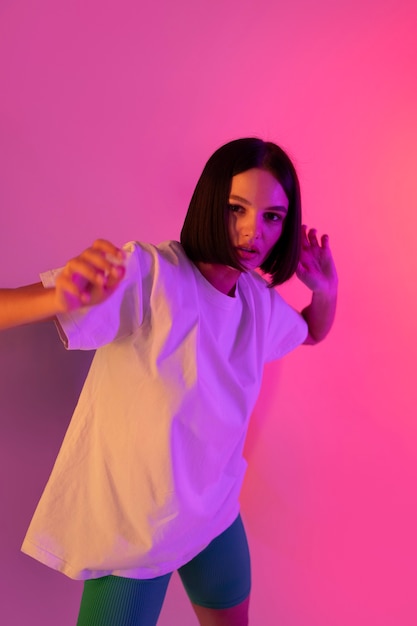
(273, 217)
(235, 208)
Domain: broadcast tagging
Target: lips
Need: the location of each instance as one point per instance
(246, 253)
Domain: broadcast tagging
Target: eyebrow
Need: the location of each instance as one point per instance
(280, 209)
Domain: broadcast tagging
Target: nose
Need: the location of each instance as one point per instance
(251, 228)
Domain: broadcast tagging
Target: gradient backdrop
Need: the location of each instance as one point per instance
(108, 112)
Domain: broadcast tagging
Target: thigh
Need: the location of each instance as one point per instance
(117, 601)
(220, 577)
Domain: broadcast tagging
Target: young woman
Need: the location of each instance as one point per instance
(148, 477)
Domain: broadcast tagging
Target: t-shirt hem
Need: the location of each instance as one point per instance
(143, 573)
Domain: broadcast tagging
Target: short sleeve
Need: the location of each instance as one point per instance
(287, 328)
(92, 327)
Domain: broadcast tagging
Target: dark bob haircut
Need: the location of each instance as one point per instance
(205, 233)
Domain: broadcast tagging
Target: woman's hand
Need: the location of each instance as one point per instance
(316, 268)
(91, 277)
(317, 271)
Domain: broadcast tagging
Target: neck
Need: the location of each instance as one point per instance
(222, 277)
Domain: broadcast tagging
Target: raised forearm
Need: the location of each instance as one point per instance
(319, 315)
(24, 305)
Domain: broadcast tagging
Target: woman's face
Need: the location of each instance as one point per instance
(258, 207)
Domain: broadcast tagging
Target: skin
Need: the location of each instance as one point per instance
(258, 207)
(318, 272)
(235, 616)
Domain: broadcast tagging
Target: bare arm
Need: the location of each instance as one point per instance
(318, 272)
(319, 315)
(25, 305)
(88, 279)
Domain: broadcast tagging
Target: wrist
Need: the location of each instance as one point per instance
(328, 292)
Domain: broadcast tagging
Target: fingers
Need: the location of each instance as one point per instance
(325, 241)
(91, 276)
(312, 237)
(111, 252)
(309, 238)
(99, 263)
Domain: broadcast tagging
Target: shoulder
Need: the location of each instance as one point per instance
(268, 303)
(171, 251)
(149, 259)
(286, 328)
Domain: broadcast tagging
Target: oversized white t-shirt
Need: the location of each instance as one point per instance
(151, 466)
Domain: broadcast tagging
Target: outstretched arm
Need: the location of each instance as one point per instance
(318, 272)
(87, 279)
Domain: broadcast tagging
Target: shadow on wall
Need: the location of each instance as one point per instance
(39, 386)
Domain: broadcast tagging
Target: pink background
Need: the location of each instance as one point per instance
(108, 112)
